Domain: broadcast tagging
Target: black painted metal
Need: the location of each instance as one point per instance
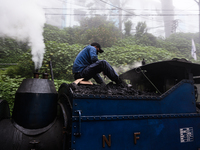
(35, 103)
(4, 110)
(37, 86)
(14, 139)
(34, 131)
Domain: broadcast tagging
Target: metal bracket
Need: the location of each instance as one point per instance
(79, 122)
(34, 143)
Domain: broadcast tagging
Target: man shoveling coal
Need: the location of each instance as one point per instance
(87, 66)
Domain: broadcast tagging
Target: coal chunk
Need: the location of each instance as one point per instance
(110, 89)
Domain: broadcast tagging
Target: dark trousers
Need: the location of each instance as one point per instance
(93, 70)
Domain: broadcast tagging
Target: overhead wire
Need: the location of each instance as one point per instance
(182, 11)
(123, 9)
(157, 14)
(129, 13)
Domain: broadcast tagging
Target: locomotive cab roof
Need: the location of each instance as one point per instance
(161, 76)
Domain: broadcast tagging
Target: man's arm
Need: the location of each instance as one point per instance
(93, 54)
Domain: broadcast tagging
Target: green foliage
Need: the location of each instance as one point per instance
(179, 43)
(126, 41)
(96, 29)
(93, 22)
(130, 54)
(147, 39)
(142, 37)
(141, 29)
(104, 34)
(62, 56)
(58, 83)
(67, 35)
(127, 29)
(25, 67)
(52, 33)
(76, 35)
(10, 50)
(8, 88)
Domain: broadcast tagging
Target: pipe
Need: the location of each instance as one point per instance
(51, 69)
(36, 75)
(45, 75)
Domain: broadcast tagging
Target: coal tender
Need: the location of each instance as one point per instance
(161, 113)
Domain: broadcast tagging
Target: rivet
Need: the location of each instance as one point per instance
(74, 126)
(75, 104)
(74, 142)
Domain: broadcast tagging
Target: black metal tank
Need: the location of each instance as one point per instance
(4, 110)
(35, 103)
(35, 122)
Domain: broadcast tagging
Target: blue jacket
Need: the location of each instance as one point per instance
(86, 57)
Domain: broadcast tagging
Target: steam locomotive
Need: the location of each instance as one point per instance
(159, 110)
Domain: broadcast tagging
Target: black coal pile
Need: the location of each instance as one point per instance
(109, 89)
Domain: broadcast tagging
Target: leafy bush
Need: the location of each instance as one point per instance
(106, 35)
(127, 28)
(95, 29)
(52, 33)
(62, 56)
(146, 39)
(93, 22)
(141, 29)
(25, 67)
(10, 50)
(131, 54)
(179, 43)
(8, 88)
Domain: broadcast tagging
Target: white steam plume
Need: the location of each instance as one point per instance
(24, 20)
(128, 67)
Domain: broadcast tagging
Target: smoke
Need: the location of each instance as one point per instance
(125, 68)
(23, 20)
